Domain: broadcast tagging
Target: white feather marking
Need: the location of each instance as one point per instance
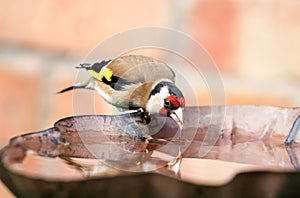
(156, 102)
(103, 69)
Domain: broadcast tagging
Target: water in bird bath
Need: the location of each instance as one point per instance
(245, 143)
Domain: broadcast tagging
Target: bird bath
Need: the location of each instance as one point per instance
(225, 150)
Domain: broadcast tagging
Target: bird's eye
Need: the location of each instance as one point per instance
(167, 103)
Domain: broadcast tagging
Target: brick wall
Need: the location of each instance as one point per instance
(255, 44)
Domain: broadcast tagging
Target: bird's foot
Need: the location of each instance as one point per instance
(145, 116)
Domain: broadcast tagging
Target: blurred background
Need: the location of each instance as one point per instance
(255, 45)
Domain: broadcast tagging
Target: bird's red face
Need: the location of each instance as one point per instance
(173, 108)
(172, 103)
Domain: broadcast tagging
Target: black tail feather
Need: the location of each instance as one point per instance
(69, 89)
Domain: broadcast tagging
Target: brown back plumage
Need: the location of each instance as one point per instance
(137, 68)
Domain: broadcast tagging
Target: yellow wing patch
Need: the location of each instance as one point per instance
(107, 73)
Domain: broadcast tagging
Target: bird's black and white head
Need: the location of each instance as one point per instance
(167, 100)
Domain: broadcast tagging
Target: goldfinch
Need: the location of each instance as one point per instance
(136, 82)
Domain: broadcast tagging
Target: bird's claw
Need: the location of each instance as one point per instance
(145, 116)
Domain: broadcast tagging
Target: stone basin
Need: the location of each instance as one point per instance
(226, 150)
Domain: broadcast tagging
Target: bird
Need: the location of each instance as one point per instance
(136, 82)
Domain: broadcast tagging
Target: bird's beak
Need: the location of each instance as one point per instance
(177, 115)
